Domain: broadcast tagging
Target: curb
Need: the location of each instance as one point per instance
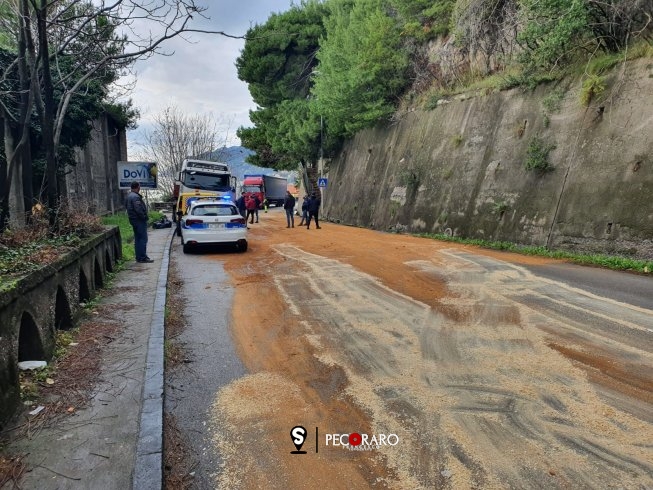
(148, 464)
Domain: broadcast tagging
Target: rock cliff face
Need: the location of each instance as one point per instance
(459, 168)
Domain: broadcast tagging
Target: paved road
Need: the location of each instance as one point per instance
(633, 289)
(493, 370)
(191, 388)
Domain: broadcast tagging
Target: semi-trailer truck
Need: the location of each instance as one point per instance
(268, 187)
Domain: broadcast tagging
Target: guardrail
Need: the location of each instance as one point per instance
(160, 206)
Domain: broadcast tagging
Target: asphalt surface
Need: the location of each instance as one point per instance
(627, 288)
(211, 361)
(115, 442)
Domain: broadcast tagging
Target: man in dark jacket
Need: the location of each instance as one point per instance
(137, 214)
(313, 210)
(240, 204)
(257, 201)
(289, 206)
(304, 210)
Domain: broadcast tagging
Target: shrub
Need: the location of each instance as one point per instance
(28, 248)
(457, 140)
(499, 207)
(537, 156)
(593, 87)
(432, 102)
(77, 220)
(552, 102)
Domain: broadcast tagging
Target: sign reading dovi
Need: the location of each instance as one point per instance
(142, 172)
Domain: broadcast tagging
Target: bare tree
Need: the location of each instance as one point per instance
(99, 37)
(177, 136)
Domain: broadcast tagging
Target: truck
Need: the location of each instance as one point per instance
(268, 187)
(202, 178)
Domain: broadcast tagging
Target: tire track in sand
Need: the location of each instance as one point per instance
(482, 401)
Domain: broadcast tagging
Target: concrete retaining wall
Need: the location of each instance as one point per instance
(45, 301)
(94, 180)
(459, 169)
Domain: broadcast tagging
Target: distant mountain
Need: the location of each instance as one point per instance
(235, 157)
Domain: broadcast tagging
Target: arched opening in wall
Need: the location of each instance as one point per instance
(30, 347)
(107, 260)
(63, 320)
(99, 281)
(84, 291)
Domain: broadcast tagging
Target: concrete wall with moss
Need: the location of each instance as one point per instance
(93, 182)
(44, 301)
(459, 168)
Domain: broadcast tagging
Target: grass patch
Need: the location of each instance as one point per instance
(604, 62)
(592, 88)
(614, 262)
(127, 233)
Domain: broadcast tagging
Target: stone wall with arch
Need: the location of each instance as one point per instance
(45, 301)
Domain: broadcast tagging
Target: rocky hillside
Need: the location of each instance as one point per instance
(537, 168)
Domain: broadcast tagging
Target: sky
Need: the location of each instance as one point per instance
(200, 77)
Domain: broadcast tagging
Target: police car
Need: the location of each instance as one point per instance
(213, 221)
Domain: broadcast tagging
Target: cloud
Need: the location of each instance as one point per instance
(200, 77)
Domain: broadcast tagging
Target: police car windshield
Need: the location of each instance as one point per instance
(206, 182)
(214, 210)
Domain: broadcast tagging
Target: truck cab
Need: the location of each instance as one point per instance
(205, 178)
(253, 186)
(270, 187)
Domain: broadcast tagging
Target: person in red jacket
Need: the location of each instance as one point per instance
(250, 205)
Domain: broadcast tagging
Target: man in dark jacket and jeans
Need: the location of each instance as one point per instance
(313, 210)
(137, 214)
(289, 206)
(304, 211)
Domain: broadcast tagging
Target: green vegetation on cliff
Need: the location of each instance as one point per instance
(600, 260)
(326, 69)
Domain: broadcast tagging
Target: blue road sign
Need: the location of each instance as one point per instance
(322, 182)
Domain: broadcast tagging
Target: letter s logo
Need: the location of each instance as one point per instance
(298, 436)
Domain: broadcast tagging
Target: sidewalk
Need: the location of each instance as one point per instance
(115, 442)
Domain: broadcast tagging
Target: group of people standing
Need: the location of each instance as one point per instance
(310, 210)
(248, 207)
